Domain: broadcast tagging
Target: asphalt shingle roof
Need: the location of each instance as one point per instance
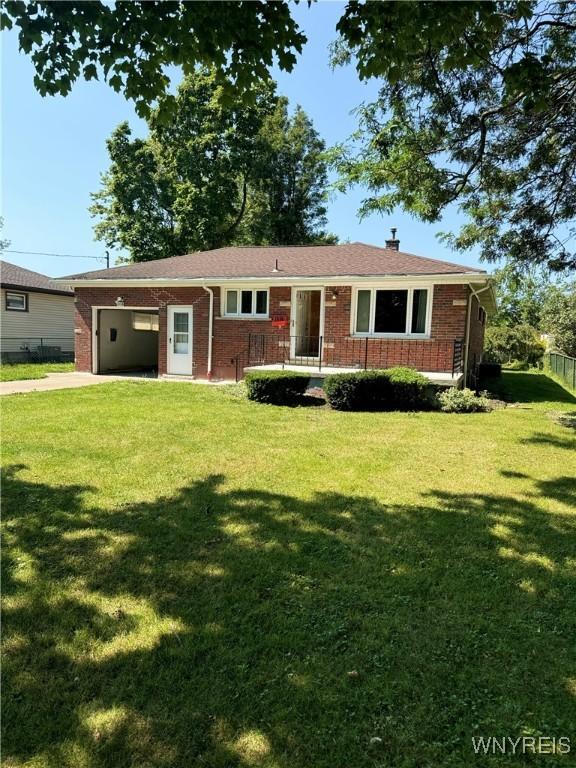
(13, 276)
(348, 259)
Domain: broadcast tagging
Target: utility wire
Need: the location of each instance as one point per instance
(61, 255)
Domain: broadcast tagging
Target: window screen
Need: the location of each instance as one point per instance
(231, 302)
(419, 302)
(363, 312)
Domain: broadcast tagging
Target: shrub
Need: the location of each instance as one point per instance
(517, 365)
(358, 391)
(276, 387)
(409, 389)
(454, 400)
(502, 344)
(489, 370)
(391, 389)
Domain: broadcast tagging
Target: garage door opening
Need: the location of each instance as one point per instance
(128, 342)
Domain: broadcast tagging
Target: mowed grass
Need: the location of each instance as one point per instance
(191, 578)
(20, 371)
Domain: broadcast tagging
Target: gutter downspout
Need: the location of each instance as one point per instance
(468, 317)
(210, 292)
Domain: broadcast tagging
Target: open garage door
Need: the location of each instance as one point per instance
(128, 341)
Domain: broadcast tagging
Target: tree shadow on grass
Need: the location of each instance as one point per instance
(527, 388)
(217, 627)
(556, 441)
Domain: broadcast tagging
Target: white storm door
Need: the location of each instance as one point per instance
(179, 340)
(307, 322)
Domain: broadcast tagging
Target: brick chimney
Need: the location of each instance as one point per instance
(393, 244)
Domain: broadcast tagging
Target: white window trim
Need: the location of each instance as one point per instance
(95, 309)
(393, 287)
(241, 315)
(23, 294)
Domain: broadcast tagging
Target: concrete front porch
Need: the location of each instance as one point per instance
(441, 379)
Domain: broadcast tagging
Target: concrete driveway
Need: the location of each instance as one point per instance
(76, 379)
(58, 381)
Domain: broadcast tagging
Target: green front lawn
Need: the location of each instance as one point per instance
(192, 579)
(19, 371)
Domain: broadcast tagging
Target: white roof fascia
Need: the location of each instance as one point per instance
(276, 280)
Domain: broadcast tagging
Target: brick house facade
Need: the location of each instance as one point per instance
(231, 336)
(454, 316)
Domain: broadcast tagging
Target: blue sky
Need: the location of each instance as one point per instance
(53, 152)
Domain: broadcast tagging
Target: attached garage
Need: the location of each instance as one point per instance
(127, 341)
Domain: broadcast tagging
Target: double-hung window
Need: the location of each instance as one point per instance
(392, 312)
(246, 302)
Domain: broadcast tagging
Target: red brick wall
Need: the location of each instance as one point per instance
(231, 336)
(143, 297)
(434, 354)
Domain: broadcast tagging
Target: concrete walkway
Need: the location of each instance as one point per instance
(56, 381)
(76, 379)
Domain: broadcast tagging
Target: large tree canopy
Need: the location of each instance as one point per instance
(219, 172)
(521, 294)
(130, 42)
(289, 194)
(477, 107)
(531, 301)
(559, 317)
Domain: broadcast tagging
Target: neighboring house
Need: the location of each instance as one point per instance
(37, 317)
(215, 313)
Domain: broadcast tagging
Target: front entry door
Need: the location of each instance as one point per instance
(306, 338)
(179, 340)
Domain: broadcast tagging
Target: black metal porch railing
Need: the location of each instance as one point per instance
(350, 352)
(293, 350)
(37, 349)
(458, 357)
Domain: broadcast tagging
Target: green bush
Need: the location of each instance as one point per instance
(410, 390)
(503, 344)
(276, 387)
(356, 391)
(392, 389)
(454, 400)
(517, 365)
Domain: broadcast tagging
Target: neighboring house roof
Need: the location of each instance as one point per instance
(281, 262)
(18, 278)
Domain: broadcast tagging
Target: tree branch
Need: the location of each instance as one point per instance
(483, 128)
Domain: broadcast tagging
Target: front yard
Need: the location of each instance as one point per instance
(22, 371)
(195, 580)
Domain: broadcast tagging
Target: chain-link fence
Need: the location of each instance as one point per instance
(37, 349)
(564, 367)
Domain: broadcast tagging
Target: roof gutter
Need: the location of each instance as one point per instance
(473, 294)
(275, 279)
(210, 325)
(32, 289)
